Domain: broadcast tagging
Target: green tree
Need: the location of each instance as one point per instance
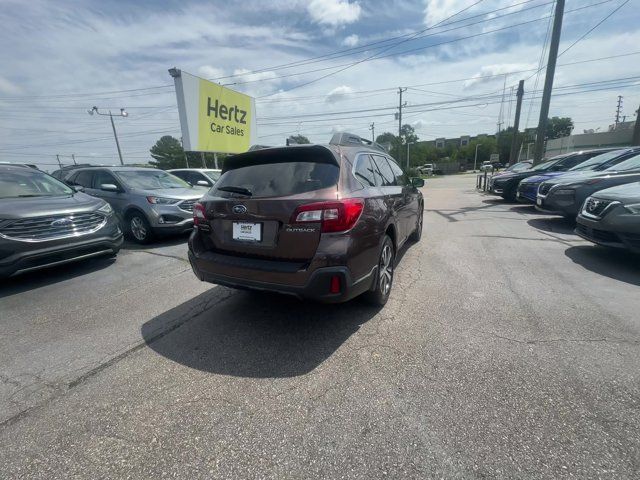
(486, 146)
(168, 153)
(386, 139)
(559, 127)
(298, 140)
(408, 134)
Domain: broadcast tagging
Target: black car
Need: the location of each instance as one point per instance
(565, 195)
(507, 185)
(44, 223)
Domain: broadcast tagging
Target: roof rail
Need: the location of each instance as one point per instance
(346, 139)
(253, 148)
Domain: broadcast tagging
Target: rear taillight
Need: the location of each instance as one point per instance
(199, 214)
(337, 216)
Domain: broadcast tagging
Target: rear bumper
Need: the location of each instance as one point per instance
(247, 273)
(44, 256)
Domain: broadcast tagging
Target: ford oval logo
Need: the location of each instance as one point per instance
(62, 222)
(239, 209)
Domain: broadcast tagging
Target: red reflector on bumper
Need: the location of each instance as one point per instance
(335, 284)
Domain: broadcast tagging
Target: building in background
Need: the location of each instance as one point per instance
(619, 135)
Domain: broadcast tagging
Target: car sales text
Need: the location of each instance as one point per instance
(224, 112)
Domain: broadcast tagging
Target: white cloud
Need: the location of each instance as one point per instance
(9, 87)
(338, 94)
(334, 12)
(437, 10)
(498, 69)
(207, 71)
(351, 40)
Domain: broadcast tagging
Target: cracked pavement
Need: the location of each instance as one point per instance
(509, 348)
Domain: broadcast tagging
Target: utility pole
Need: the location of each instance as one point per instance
(500, 115)
(475, 159)
(400, 105)
(372, 127)
(548, 82)
(123, 113)
(618, 110)
(73, 157)
(516, 124)
(58, 158)
(215, 160)
(636, 129)
(204, 162)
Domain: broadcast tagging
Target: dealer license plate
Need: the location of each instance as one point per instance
(247, 232)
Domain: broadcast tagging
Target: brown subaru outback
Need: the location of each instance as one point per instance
(322, 222)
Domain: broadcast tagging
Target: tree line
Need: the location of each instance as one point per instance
(167, 152)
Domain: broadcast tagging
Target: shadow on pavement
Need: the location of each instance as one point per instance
(616, 264)
(160, 242)
(524, 209)
(48, 276)
(553, 224)
(255, 335)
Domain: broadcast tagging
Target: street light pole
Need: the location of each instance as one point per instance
(123, 113)
(475, 160)
(408, 143)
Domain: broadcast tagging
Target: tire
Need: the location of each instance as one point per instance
(384, 277)
(139, 228)
(417, 233)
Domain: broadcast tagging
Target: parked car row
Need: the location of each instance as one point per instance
(83, 211)
(599, 188)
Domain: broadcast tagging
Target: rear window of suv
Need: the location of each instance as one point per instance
(278, 179)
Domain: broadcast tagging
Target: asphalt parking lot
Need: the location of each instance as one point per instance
(509, 348)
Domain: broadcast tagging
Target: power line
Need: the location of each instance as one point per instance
(364, 47)
(377, 56)
(372, 56)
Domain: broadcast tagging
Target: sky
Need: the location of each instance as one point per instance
(314, 67)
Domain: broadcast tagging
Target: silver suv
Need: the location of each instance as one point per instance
(148, 201)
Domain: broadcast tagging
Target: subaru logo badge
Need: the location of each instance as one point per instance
(239, 209)
(62, 222)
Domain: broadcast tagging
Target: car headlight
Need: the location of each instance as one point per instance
(162, 200)
(106, 208)
(633, 208)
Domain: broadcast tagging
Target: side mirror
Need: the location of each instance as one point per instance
(78, 188)
(417, 182)
(109, 187)
(203, 183)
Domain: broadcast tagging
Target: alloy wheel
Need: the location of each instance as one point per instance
(386, 270)
(138, 229)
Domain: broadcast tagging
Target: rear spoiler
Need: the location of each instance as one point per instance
(299, 153)
(345, 139)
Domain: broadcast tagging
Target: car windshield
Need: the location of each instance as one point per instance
(16, 183)
(519, 167)
(150, 179)
(545, 165)
(213, 175)
(632, 163)
(597, 160)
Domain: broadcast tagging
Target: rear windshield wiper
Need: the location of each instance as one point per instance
(240, 190)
